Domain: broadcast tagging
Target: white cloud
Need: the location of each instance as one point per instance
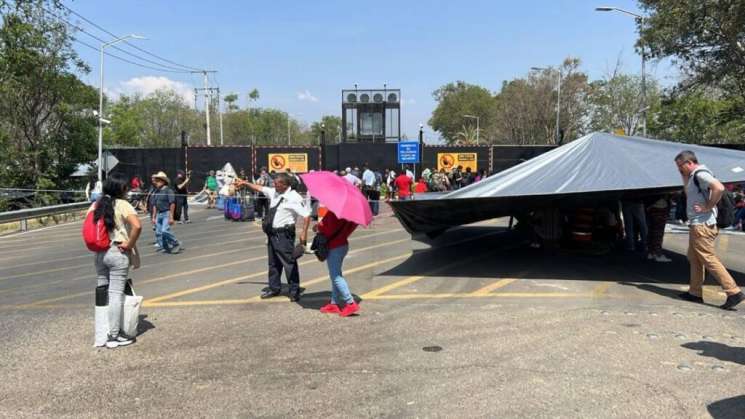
(149, 84)
(305, 95)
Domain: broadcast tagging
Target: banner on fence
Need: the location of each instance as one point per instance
(449, 160)
(297, 162)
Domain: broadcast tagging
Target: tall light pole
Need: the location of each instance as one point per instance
(558, 102)
(478, 128)
(100, 99)
(641, 19)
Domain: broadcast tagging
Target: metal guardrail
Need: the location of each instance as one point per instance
(25, 214)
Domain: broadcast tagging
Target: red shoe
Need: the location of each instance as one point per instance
(350, 309)
(330, 309)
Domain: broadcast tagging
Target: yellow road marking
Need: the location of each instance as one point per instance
(600, 290)
(415, 278)
(491, 287)
(472, 295)
(144, 255)
(176, 275)
(392, 286)
(254, 275)
(158, 302)
(187, 235)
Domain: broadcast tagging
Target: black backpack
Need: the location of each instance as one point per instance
(725, 206)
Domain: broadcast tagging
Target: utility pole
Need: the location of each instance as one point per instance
(207, 97)
(219, 111)
(207, 109)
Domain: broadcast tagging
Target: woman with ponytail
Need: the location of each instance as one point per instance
(112, 265)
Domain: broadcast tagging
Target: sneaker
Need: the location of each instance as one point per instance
(350, 309)
(187, 222)
(651, 256)
(179, 222)
(176, 248)
(732, 301)
(331, 309)
(120, 340)
(662, 258)
(690, 297)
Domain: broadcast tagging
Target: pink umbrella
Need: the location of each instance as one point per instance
(339, 196)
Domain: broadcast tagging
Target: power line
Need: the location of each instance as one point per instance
(126, 60)
(72, 25)
(127, 42)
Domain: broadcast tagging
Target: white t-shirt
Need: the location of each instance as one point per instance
(292, 206)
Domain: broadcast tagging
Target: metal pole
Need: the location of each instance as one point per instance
(100, 115)
(644, 83)
(207, 108)
(478, 130)
(219, 110)
(558, 111)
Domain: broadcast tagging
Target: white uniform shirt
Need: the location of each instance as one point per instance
(292, 206)
(354, 180)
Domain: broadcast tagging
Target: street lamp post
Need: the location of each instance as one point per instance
(323, 145)
(644, 59)
(100, 99)
(478, 128)
(558, 102)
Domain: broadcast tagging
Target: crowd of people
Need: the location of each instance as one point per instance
(639, 222)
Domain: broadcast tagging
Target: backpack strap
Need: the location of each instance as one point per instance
(696, 182)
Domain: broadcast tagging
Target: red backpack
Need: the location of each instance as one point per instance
(95, 234)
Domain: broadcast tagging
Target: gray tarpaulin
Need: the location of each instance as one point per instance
(596, 167)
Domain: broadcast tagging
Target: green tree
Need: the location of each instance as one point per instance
(457, 99)
(699, 116)
(231, 102)
(705, 37)
(46, 120)
(155, 120)
(617, 102)
(253, 95)
(525, 111)
(332, 126)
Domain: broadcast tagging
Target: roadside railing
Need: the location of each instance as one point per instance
(24, 215)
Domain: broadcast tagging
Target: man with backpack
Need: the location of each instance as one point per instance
(704, 192)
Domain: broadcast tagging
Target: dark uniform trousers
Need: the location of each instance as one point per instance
(280, 247)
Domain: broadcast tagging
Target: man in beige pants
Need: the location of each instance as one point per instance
(703, 192)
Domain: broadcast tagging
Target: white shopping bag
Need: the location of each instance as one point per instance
(131, 313)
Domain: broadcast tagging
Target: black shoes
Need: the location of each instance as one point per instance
(732, 301)
(295, 297)
(690, 297)
(269, 294)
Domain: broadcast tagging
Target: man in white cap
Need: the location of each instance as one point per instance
(163, 209)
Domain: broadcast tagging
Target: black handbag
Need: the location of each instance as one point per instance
(320, 245)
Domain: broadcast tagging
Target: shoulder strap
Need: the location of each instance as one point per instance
(696, 182)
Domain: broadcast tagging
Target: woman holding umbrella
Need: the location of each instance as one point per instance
(347, 208)
(337, 231)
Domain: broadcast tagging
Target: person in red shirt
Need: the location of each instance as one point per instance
(421, 186)
(403, 184)
(337, 232)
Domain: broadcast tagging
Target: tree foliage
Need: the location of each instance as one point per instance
(46, 123)
(454, 100)
(705, 37)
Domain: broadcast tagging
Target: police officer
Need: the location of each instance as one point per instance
(285, 207)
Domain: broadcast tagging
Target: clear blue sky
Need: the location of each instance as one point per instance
(285, 48)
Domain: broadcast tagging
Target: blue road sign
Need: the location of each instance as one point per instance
(408, 152)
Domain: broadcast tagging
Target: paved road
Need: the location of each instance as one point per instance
(472, 326)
